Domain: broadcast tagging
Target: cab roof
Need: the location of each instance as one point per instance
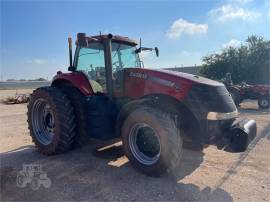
(115, 38)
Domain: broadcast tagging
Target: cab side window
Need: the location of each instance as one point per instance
(92, 63)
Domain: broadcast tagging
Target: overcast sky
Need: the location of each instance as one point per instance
(34, 34)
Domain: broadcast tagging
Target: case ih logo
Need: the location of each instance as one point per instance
(155, 79)
(138, 75)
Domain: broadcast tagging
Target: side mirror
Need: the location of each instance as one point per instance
(139, 50)
(157, 51)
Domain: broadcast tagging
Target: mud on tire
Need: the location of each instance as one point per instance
(145, 123)
(51, 120)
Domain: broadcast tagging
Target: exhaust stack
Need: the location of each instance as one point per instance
(70, 52)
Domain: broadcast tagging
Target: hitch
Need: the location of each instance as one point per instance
(239, 136)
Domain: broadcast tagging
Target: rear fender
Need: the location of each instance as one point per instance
(76, 79)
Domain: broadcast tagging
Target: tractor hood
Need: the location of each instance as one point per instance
(172, 83)
(173, 77)
(149, 78)
(190, 77)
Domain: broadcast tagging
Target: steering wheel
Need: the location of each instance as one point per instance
(117, 68)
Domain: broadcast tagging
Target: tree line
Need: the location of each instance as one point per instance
(250, 62)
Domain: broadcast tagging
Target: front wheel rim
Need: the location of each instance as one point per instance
(43, 121)
(144, 144)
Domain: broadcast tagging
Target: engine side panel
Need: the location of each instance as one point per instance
(77, 79)
(142, 82)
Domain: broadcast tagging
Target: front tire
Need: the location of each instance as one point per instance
(51, 120)
(152, 141)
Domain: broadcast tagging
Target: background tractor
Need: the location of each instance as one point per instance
(255, 92)
(108, 94)
(246, 91)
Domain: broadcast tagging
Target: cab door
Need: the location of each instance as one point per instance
(90, 61)
(117, 70)
(123, 56)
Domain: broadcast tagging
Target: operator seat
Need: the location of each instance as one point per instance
(94, 82)
(95, 86)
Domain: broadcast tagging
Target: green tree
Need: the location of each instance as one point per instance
(250, 62)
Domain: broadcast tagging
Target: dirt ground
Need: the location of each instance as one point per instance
(106, 175)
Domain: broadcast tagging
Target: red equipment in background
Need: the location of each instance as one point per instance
(246, 91)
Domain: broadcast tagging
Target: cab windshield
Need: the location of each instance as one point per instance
(92, 57)
(91, 62)
(124, 56)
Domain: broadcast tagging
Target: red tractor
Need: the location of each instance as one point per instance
(108, 94)
(245, 91)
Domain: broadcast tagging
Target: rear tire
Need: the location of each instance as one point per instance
(78, 103)
(165, 144)
(51, 120)
(263, 102)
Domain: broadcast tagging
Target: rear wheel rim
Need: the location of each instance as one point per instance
(144, 144)
(43, 121)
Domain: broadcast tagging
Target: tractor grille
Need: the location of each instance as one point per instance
(211, 98)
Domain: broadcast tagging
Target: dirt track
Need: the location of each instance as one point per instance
(88, 174)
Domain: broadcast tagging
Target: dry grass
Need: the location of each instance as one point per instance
(16, 99)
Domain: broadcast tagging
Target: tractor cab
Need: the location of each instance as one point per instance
(103, 58)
